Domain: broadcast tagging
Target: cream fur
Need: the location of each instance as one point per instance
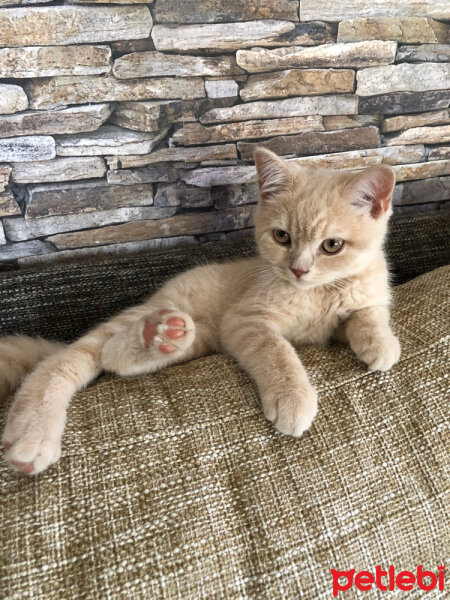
(255, 309)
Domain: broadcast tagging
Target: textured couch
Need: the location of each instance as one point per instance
(174, 485)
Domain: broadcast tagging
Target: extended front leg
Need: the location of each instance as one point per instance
(288, 399)
(371, 339)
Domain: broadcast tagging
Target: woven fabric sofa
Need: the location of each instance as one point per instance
(174, 486)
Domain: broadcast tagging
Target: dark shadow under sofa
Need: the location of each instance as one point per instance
(174, 486)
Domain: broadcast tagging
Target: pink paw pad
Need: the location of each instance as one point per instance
(172, 328)
(24, 467)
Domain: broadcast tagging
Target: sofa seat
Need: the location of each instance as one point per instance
(174, 485)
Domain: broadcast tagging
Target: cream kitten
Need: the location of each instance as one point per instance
(321, 273)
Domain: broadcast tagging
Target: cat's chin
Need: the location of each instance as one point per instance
(305, 285)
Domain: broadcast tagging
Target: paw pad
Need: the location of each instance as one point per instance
(169, 333)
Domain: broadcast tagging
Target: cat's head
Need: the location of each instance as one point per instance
(316, 226)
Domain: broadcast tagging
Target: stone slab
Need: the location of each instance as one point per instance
(65, 256)
(404, 102)
(149, 174)
(295, 82)
(223, 11)
(437, 117)
(146, 116)
(234, 195)
(310, 10)
(4, 3)
(357, 159)
(111, 250)
(184, 224)
(425, 170)
(127, 46)
(65, 25)
(229, 37)
(225, 88)
(354, 159)
(5, 172)
(154, 64)
(59, 169)
(358, 54)
(50, 61)
(60, 91)
(291, 107)
(108, 140)
(350, 121)
(405, 77)
(218, 176)
(180, 194)
(8, 205)
(316, 142)
(414, 209)
(183, 155)
(410, 30)
(424, 191)
(421, 135)
(75, 119)
(27, 148)
(194, 109)
(20, 229)
(12, 99)
(442, 153)
(2, 235)
(424, 53)
(76, 198)
(12, 252)
(195, 134)
(110, 1)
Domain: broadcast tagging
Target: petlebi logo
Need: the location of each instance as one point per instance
(388, 580)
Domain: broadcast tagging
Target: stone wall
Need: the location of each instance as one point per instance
(131, 124)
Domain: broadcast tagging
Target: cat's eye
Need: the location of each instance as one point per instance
(332, 246)
(281, 237)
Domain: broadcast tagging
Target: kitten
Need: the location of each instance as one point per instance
(321, 273)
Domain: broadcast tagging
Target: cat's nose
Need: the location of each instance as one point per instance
(299, 272)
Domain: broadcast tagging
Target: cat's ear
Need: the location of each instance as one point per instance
(371, 190)
(273, 173)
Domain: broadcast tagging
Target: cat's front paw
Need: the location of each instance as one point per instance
(291, 411)
(379, 353)
(32, 437)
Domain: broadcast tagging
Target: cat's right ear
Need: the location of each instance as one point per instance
(273, 173)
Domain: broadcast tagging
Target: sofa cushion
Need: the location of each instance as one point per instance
(174, 486)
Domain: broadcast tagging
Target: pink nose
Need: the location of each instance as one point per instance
(299, 272)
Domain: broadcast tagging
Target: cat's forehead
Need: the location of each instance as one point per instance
(313, 203)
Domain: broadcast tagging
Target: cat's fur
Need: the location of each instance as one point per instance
(252, 308)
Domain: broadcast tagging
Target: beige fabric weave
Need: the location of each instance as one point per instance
(174, 486)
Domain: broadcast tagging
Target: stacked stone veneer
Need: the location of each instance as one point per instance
(129, 125)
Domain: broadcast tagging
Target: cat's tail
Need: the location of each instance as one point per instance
(18, 355)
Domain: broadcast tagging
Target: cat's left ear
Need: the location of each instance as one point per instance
(371, 190)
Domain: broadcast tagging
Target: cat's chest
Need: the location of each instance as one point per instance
(312, 317)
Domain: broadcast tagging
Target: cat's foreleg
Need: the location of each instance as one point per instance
(288, 398)
(371, 339)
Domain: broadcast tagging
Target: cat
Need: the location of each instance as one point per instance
(320, 273)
